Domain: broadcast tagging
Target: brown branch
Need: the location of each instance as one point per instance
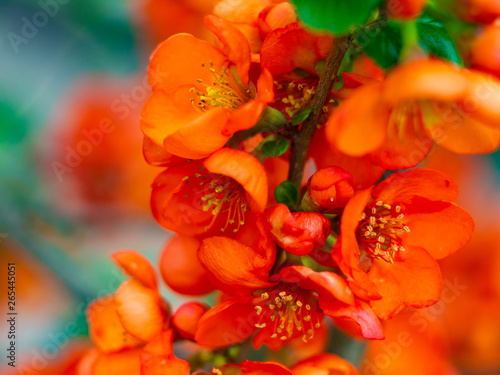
(302, 139)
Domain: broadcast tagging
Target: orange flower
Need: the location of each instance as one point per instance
(134, 314)
(285, 306)
(398, 120)
(92, 146)
(485, 50)
(220, 193)
(390, 237)
(201, 94)
(298, 233)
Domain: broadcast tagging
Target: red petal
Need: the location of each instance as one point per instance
(328, 285)
(346, 251)
(227, 323)
(264, 368)
(136, 266)
(423, 182)
(414, 281)
(292, 47)
(358, 320)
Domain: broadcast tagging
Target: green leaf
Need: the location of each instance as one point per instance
(275, 148)
(383, 42)
(301, 116)
(287, 194)
(434, 39)
(336, 16)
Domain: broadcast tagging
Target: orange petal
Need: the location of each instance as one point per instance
(245, 169)
(180, 268)
(245, 117)
(178, 61)
(172, 122)
(426, 80)
(136, 266)
(227, 323)
(126, 362)
(105, 327)
(465, 135)
(415, 281)
(330, 363)
(359, 125)
(233, 266)
(264, 368)
(364, 170)
(483, 97)
(141, 310)
(168, 365)
(158, 156)
(161, 345)
(423, 182)
(441, 228)
(235, 45)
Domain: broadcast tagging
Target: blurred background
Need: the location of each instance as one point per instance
(74, 187)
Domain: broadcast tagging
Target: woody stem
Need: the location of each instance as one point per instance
(302, 139)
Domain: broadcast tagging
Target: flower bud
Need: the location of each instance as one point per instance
(180, 268)
(329, 189)
(186, 318)
(298, 233)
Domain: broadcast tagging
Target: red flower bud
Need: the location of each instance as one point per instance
(186, 318)
(298, 233)
(329, 189)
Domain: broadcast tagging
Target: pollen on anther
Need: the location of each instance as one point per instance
(264, 295)
(263, 325)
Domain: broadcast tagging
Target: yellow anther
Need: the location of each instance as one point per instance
(264, 295)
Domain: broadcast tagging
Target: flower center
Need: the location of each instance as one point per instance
(378, 231)
(222, 196)
(223, 90)
(294, 96)
(288, 313)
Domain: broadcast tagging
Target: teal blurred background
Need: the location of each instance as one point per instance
(62, 252)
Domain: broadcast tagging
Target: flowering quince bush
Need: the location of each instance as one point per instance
(288, 149)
